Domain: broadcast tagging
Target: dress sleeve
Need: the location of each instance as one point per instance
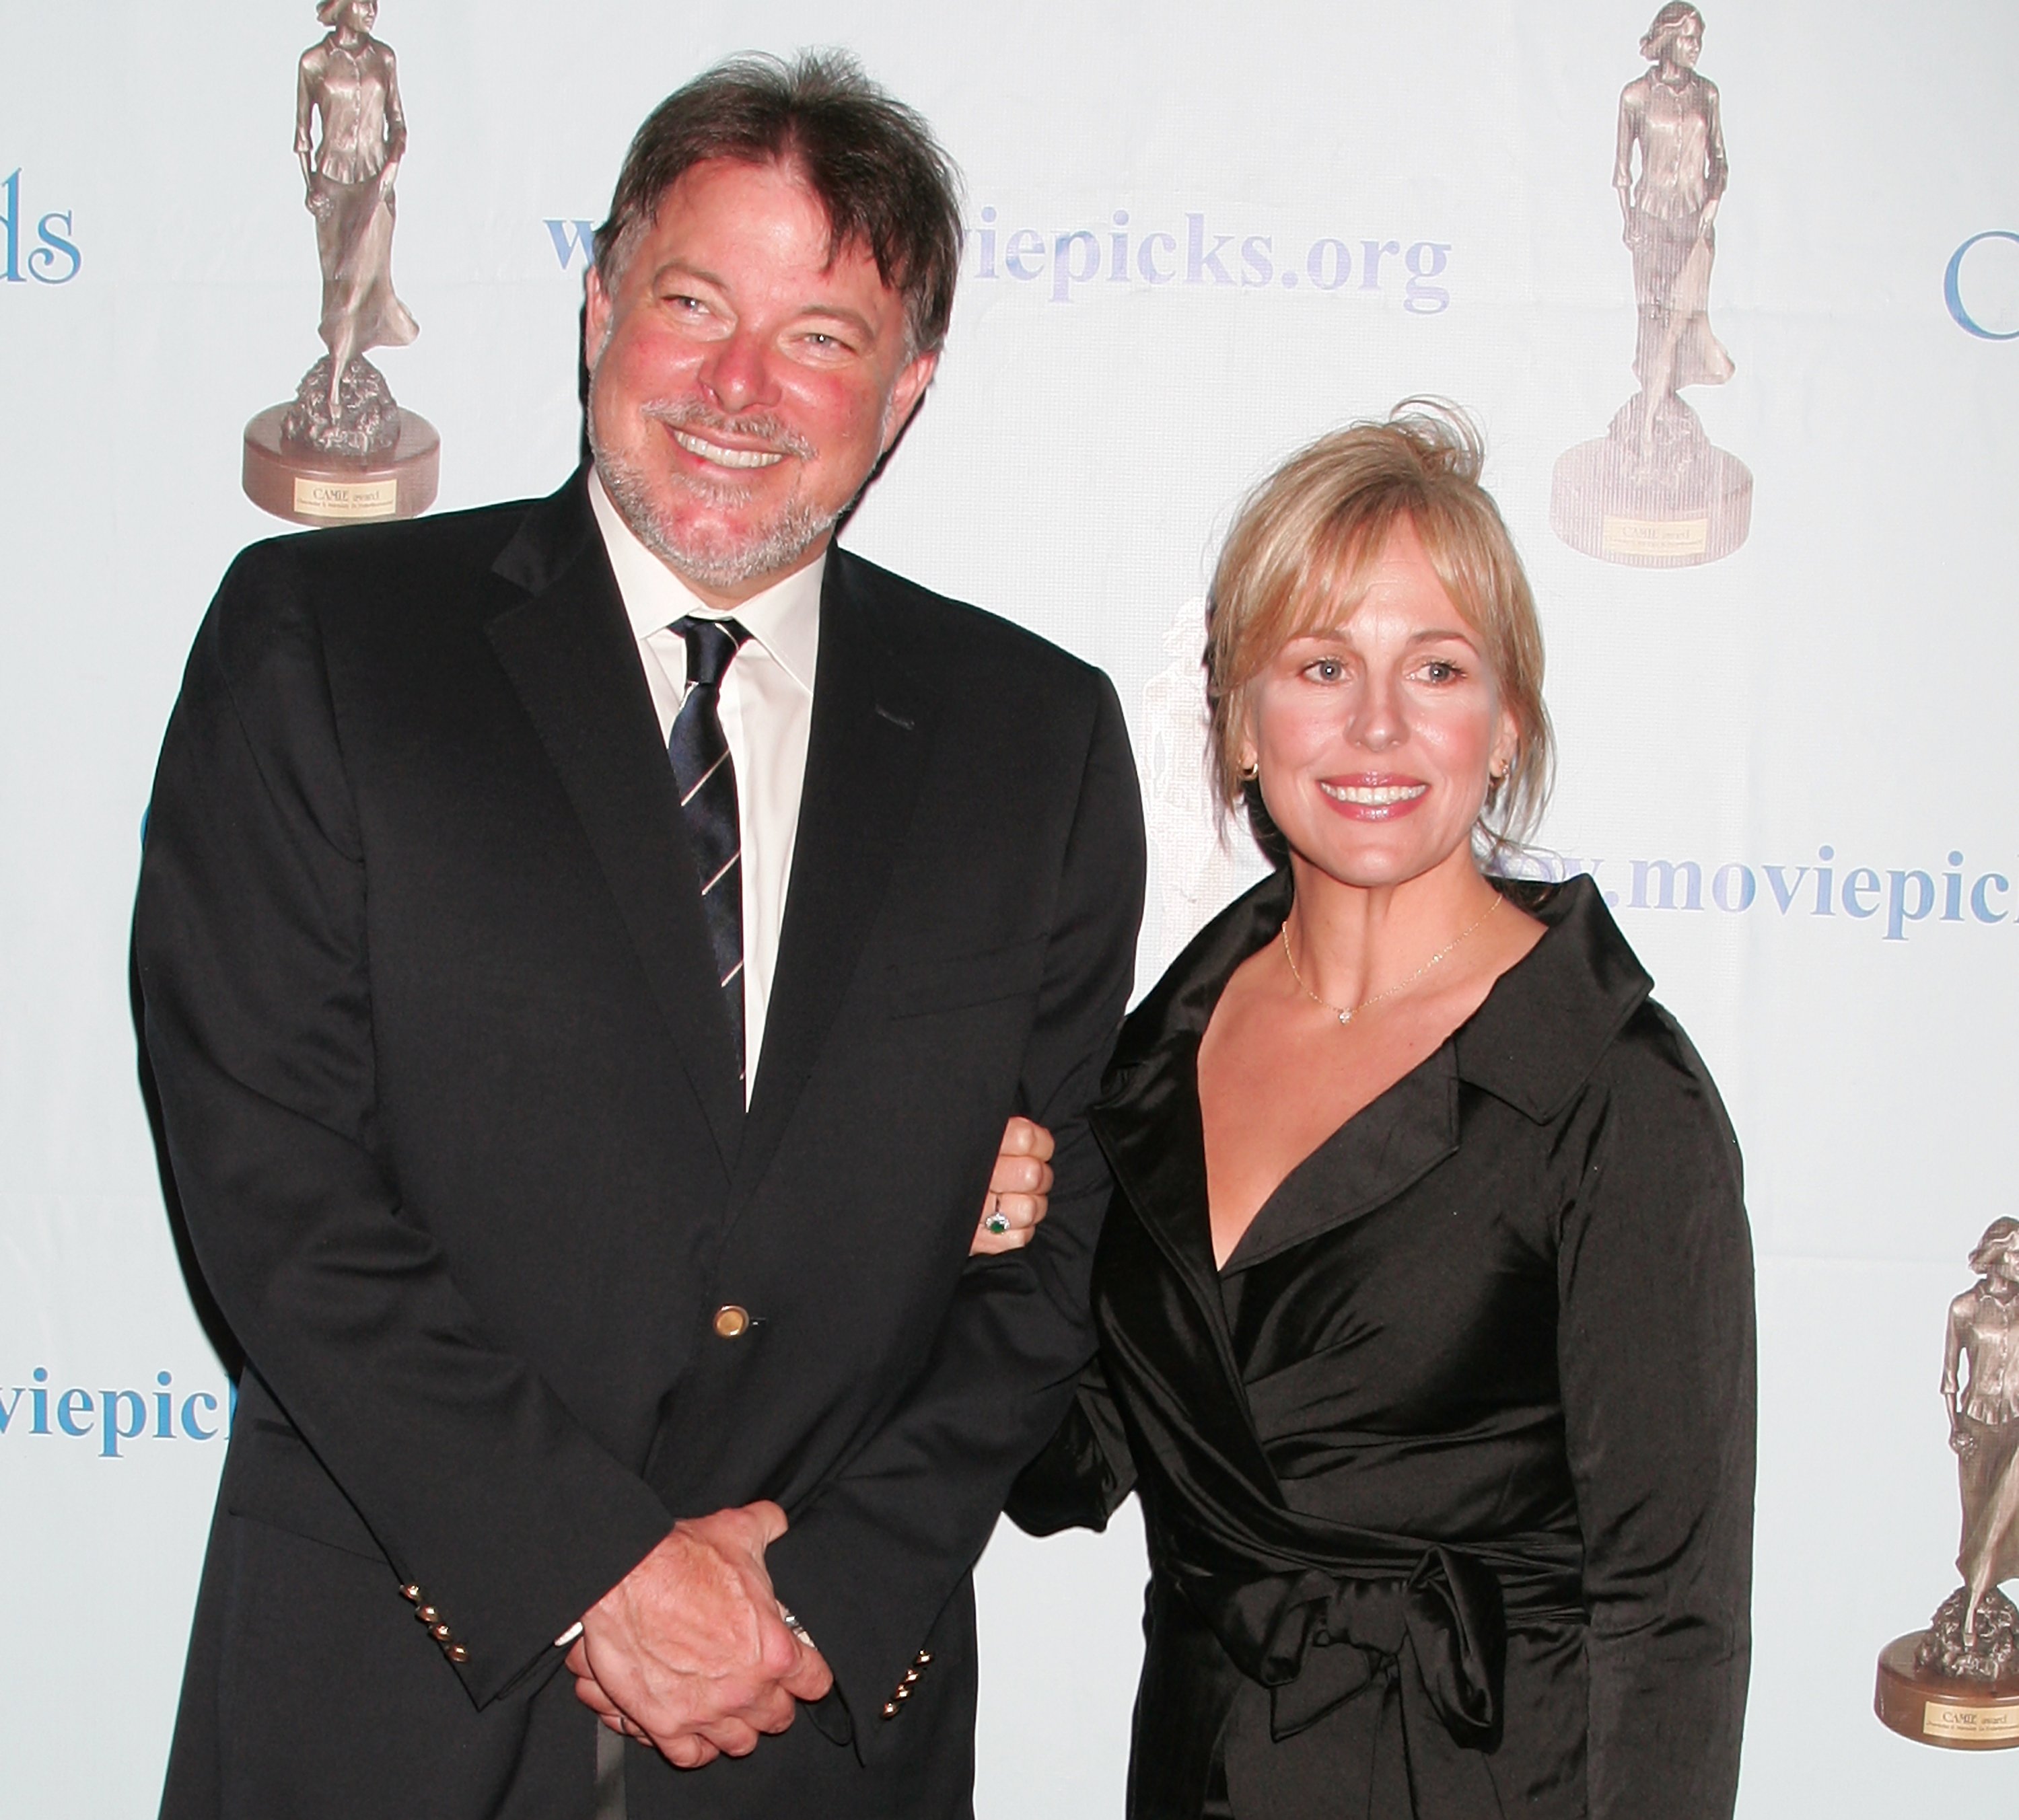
(1656, 1354)
(1086, 1471)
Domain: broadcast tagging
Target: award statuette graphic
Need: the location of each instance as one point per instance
(1653, 491)
(343, 450)
(1956, 1684)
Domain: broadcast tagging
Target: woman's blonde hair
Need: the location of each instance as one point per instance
(1297, 561)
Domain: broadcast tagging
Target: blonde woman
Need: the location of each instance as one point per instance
(1426, 1294)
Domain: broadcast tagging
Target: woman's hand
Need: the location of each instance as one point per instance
(1018, 1190)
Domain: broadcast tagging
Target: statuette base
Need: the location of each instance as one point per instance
(1679, 504)
(1948, 1711)
(293, 481)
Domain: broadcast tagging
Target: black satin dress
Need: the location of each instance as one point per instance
(1448, 1475)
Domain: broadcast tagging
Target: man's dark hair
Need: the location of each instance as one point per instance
(883, 180)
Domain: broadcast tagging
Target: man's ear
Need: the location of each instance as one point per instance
(595, 318)
(912, 381)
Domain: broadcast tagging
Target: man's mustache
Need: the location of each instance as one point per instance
(688, 414)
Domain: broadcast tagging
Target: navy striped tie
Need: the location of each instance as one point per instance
(707, 781)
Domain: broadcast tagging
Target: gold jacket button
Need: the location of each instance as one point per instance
(427, 1614)
(890, 1708)
(441, 1633)
(457, 1655)
(411, 1593)
(730, 1320)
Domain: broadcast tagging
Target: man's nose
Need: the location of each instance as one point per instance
(737, 374)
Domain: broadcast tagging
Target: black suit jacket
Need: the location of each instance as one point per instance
(449, 1101)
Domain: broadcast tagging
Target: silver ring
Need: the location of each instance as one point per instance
(997, 1222)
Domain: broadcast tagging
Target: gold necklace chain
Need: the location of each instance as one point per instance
(1346, 1014)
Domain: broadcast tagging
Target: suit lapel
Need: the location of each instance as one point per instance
(569, 652)
(865, 754)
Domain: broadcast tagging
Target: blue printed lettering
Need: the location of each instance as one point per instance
(55, 248)
(1899, 913)
(1025, 244)
(1425, 260)
(111, 1428)
(1065, 274)
(1667, 872)
(1782, 887)
(1952, 288)
(570, 237)
(11, 271)
(1859, 885)
(1328, 255)
(1741, 885)
(1952, 892)
(1199, 261)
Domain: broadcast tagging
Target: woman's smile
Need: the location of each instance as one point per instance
(1373, 798)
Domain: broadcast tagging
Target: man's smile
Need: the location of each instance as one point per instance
(726, 457)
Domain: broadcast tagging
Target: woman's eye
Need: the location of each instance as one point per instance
(1441, 670)
(1326, 670)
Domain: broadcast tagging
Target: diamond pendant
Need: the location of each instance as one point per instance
(1346, 1017)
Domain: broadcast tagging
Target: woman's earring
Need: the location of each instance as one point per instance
(1249, 771)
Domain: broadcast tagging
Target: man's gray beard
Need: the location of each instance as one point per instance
(770, 550)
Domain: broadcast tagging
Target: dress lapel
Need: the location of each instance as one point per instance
(866, 754)
(1381, 1151)
(1147, 1122)
(568, 650)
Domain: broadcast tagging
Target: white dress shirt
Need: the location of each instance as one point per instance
(767, 705)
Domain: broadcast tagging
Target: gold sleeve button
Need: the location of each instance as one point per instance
(730, 1320)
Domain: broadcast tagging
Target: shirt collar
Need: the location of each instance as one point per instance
(785, 619)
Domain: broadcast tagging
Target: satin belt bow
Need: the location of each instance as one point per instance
(1432, 1646)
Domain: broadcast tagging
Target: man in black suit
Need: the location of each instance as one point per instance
(484, 851)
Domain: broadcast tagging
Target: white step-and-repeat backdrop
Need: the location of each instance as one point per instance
(1199, 237)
